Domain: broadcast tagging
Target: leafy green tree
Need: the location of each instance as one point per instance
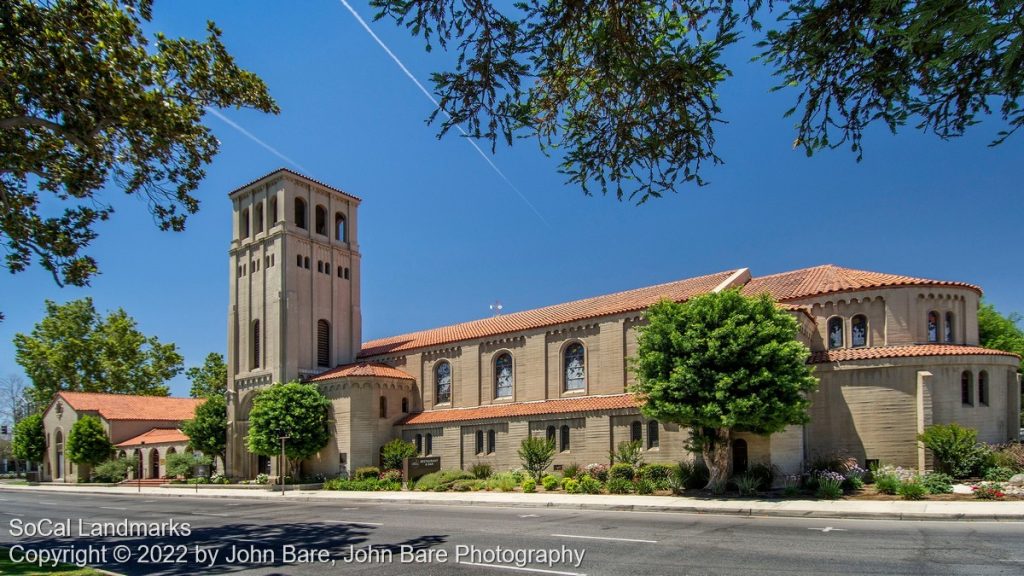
(88, 443)
(210, 379)
(29, 442)
(719, 363)
(183, 465)
(1001, 333)
(208, 430)
(88, 100)
(296, 410)
(536, 454)
(395, 452)
(956, 449)
(628, 91)
(74, 348)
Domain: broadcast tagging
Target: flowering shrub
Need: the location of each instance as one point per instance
(791, 484)
(903, 474)
(262, 479)
(987, 491)
(599, 471)
(830, 484)
(391, 475)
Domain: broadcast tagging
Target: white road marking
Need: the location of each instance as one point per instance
(347, 509)
(604, 538)
(828, 529)
(207, 514)
(112, 508)
(354, 523)
(48, 503)
(529, 515)
(235, 504)
(517, 568)
(9, 513)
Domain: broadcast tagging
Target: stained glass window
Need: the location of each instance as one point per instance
(503, 376)
(443, 378)
(575, 367)
(835, 333)
(933, 326)
(859, 331)
(949, 327)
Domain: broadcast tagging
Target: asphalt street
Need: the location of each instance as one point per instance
(290, 537)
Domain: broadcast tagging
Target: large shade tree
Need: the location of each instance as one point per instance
(722, 363)
(210, 379)
(296, 410)
(208, 430)
(627, 91)
(88, 101)
(88, 443)
(29, 441)
(75, 348)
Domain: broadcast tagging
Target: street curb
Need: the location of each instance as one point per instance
(617, 507)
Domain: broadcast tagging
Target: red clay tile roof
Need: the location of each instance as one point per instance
(560, 406)
(156, 436)
(620, 302)
(293, 173)
(847, 354)
(126, 407)
(362, 369)
(830, 278)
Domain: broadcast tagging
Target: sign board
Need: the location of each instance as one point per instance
(413, 468)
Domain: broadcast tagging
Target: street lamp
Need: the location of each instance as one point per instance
(138, 469)
(280, 463)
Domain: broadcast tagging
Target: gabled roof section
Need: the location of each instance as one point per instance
(541, 407)
(127, 407)
(620, 302)
(880, 352)
(375, 369)
(830, 279)
(156, 436)
(296, 175)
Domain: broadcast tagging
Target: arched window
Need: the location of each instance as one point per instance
(243, 223)
(835, 332)
(254, 361)
(300, 213)
(340, 231)
(983, 388)
(967, 388)
(636, 431)
(405, 405)
(443, 382)
(259, 217)
(428, 448)
(859, 331)
(550, 435)
(305, 262)
(503, 376)
(273, 210)
(492, 441)
(321, 220)
(564, 437)
(933, 326)
(383, 407)
(320, 266)
(419, 443)
(653, 436)
(479, 441)
(323, 343)
(575, 367)
(948, 332)
(346, 273)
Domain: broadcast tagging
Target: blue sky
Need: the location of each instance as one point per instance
(443, 236)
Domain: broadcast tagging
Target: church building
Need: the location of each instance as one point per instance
(894, 354)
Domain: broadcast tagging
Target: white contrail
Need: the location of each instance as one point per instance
(438, 106)
(252, 137)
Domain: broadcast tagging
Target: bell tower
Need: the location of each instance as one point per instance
(294, 307)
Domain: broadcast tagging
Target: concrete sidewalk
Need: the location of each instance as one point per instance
(873, 509)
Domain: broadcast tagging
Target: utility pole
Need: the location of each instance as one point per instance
(280, 463)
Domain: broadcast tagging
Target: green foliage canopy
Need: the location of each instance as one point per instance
(183, 465)
(88, 100)
(1000, 332)
(210, 379)
(208, 430)
(88, 442)
(297, 410)
(29, 442)
(628, 91)
(536, 454)
(74, 348)
(956, 449)
(395, 452)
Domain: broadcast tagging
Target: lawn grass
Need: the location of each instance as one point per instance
(8, 567)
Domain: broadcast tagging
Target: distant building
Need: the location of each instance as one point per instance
(894, 354)
(145, 426)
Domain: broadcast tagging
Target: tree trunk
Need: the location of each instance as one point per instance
(717, 451)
